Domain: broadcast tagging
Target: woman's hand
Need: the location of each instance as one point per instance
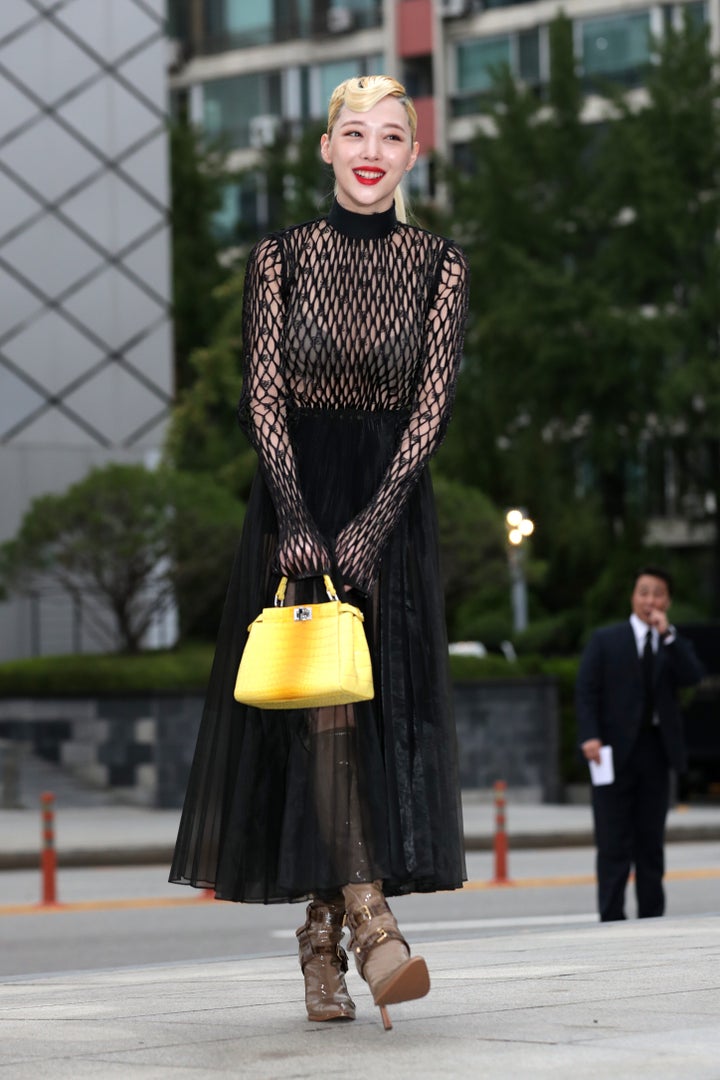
(301, 554)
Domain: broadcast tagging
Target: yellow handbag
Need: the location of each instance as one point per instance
(305, 656)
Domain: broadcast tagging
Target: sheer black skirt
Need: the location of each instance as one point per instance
(282, 805)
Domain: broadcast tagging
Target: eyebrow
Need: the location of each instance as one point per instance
(361, 123)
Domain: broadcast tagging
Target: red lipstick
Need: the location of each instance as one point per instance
(368, 176)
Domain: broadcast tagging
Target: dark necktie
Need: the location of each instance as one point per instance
(648, 666)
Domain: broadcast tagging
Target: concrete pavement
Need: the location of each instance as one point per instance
(600, 1001)
(635, 999)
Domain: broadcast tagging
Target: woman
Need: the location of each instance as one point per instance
(352, 331)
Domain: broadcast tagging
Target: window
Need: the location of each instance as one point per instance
(237, 218)
(616, 46)
(695, 12)
(417, 76)
(230, 104)
(248, 19)
(177, 22)
(330, 75)
(356, 13)
(476, 61)
(528, 51)
(237, 22)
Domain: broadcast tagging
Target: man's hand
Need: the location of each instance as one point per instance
(659, 620)
(591, 750)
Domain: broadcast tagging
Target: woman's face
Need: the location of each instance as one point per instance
(370, 152)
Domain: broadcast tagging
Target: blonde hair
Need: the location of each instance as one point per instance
(362, 94)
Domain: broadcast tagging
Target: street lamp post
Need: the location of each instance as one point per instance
(519, 527)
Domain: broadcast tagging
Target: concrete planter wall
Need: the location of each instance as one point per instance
(140, 746)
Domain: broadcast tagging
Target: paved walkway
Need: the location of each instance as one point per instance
(626, 1000)
(93, 828)
(117, 835)
(637, 999)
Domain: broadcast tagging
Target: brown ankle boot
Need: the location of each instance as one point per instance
(324, 962)
(381, 952)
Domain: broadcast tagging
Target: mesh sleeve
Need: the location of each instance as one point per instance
(360, 544)
(262, 412)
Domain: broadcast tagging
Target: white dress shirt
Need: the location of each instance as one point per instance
(640, 630)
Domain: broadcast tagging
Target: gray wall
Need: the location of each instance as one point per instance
(85, 339)
(140, 747)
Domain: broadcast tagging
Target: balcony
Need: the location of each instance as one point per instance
(332, 23)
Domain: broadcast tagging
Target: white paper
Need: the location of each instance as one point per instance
(603, 772)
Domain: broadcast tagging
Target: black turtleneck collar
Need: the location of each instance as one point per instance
(362, 226)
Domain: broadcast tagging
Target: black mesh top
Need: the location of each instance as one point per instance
(357, 313)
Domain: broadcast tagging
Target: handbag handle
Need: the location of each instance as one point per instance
(282, 589)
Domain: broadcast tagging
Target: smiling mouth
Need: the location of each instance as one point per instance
(369, 176)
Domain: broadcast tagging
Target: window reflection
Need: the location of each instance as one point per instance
(618, 44)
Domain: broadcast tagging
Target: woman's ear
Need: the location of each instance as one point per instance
(325, 149)
(413, 156)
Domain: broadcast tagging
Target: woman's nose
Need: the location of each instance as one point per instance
(372, 147)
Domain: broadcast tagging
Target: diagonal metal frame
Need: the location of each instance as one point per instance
(109, 67)
(50, 205)
(107, 164)
(57, 401)
(61, 5)
(49, 402)
(150, 12)
(52, 209)
(71, 94)
(110, 355)
(33, 20)
(71, 130)
(57, 304)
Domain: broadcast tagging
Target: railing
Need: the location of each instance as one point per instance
(286, 30)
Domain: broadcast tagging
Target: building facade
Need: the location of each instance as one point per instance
(248, 72)
(85, 339)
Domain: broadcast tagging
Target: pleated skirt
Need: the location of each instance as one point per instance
(283, 805)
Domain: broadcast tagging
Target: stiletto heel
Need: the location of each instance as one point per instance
(324, 962)
(382, 954)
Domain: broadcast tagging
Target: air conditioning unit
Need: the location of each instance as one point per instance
(340, 20)
(175, 54)
(453, 9)
(264, 130)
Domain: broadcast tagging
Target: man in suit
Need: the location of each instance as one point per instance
(627, 697)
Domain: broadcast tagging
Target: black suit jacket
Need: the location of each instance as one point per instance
(609, 692)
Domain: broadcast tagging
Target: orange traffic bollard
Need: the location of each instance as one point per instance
(501, 840)
(48, 859)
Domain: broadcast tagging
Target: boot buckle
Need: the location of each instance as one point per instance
(364, 913)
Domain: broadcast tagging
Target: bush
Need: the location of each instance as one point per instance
(554, 634)
(185, 669)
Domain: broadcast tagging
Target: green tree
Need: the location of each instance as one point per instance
(203, 436)
(198, 176)
(538, 393)
(130, 542)
(297, 183)
(473, 558)
(593, 337)
(664, 262)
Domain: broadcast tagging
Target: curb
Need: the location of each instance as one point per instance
(157, 854)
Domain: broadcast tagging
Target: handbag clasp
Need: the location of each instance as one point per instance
(302, 614)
